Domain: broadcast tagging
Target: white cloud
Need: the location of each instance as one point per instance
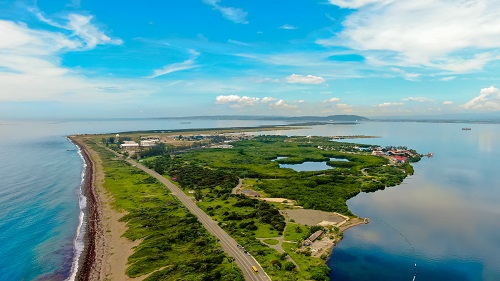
(268, 99)
(448, 102)
(418, 33)
(304, 79)
(18, 39)
(287, 27)
(352, 4)
(299, 101)
(332, 100)
(314, 62)
(236, 101)
(193, 53)
(92, 36)
(406, 75)
(488, 99)
(390, 104)
(180, 66)
(30, 68)
(283, 104)
(449, 78)
(418, 99)
(235, 15)
(89, 35)
(343, 106)
(185, 65)
(299, 59)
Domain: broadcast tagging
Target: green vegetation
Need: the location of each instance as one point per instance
(296, 232)
(271, 241)
(244, 218)
(210, 175)
(174, 245)
(247, 219)
(327, 190)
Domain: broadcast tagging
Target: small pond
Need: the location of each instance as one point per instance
(309, 166)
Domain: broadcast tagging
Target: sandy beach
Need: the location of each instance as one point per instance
(106, 251)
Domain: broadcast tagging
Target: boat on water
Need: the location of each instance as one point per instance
(466, 129)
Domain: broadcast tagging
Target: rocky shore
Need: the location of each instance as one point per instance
(89, 268)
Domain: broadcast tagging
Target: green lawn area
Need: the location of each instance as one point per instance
(271, 241)
(295, 232)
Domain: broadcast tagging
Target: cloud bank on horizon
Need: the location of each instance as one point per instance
(366, 57)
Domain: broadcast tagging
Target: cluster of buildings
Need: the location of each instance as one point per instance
(399, 156)
(396, 155)
(218, 140)
(143, 142)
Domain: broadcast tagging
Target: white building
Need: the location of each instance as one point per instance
(149, 143)
(378, 153)
(129, 145)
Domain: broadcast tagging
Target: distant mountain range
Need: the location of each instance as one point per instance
(493, 117)
(331, 118)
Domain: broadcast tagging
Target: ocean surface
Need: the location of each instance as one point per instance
(443, 223)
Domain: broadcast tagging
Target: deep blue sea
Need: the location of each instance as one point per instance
(443, 223)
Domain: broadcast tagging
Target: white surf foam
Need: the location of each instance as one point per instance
(79, 241)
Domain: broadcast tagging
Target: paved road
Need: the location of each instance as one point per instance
(236, 188)
(244, 261)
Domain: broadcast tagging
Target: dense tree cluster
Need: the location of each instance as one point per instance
(264, 212)
(156, 150)
(194, 176)
(326, 190)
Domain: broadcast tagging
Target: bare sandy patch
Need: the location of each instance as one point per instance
(278, 200)
(313, 217)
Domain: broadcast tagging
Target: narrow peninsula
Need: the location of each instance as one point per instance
(259, 189)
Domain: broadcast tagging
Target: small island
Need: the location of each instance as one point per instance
(288, 219)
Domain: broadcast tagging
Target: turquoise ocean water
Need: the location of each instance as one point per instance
(445, 218)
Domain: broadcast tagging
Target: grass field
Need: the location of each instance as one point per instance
(174, 245)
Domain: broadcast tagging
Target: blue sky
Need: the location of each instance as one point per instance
(157, 58)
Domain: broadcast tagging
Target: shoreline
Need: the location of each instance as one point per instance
(87, 265)
(79, 240)
(106, 251)
(332, 243)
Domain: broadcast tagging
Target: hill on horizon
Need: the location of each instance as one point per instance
(338, 118)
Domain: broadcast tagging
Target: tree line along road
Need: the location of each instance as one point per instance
(229, 245)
